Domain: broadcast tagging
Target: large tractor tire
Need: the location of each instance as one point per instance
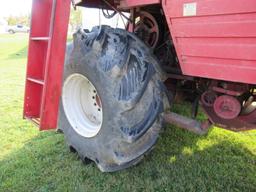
(113, 98)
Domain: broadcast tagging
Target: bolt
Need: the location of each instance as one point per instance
(94, 91)
(98, 109)
(93, 97)
(95, 104)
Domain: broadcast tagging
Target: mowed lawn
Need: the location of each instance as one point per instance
(181, 161)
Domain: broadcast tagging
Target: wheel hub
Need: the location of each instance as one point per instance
(227, 107)
(82, 105)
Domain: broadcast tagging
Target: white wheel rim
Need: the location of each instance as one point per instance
(82, 105)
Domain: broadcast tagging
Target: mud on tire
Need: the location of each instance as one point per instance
(129, 83)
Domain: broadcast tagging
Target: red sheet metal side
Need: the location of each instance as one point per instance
(214, 38)
(136, 3)
(120, 4)
(54, 66)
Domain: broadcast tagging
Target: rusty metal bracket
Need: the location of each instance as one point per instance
(187, 123)
(115, 9)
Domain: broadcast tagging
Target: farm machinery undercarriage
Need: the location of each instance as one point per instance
(112, 93)
(227, 104)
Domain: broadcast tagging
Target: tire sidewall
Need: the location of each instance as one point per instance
(102, 83)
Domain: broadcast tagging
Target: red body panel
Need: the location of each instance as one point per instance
(136, 3)
(214, 39)
(46, 56)
(123, 4)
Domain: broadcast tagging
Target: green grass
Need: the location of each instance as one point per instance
(181, 161)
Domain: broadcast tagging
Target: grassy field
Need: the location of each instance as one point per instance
(181, 161)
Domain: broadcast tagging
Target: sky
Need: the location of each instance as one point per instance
(15, 7)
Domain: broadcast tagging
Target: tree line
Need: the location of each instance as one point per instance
(75, 18)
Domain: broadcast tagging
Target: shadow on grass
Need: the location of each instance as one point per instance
(22, 53)
(180, 161)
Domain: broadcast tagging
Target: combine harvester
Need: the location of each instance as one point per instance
(110, 90)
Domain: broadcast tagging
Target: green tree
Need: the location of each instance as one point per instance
(22, 19)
